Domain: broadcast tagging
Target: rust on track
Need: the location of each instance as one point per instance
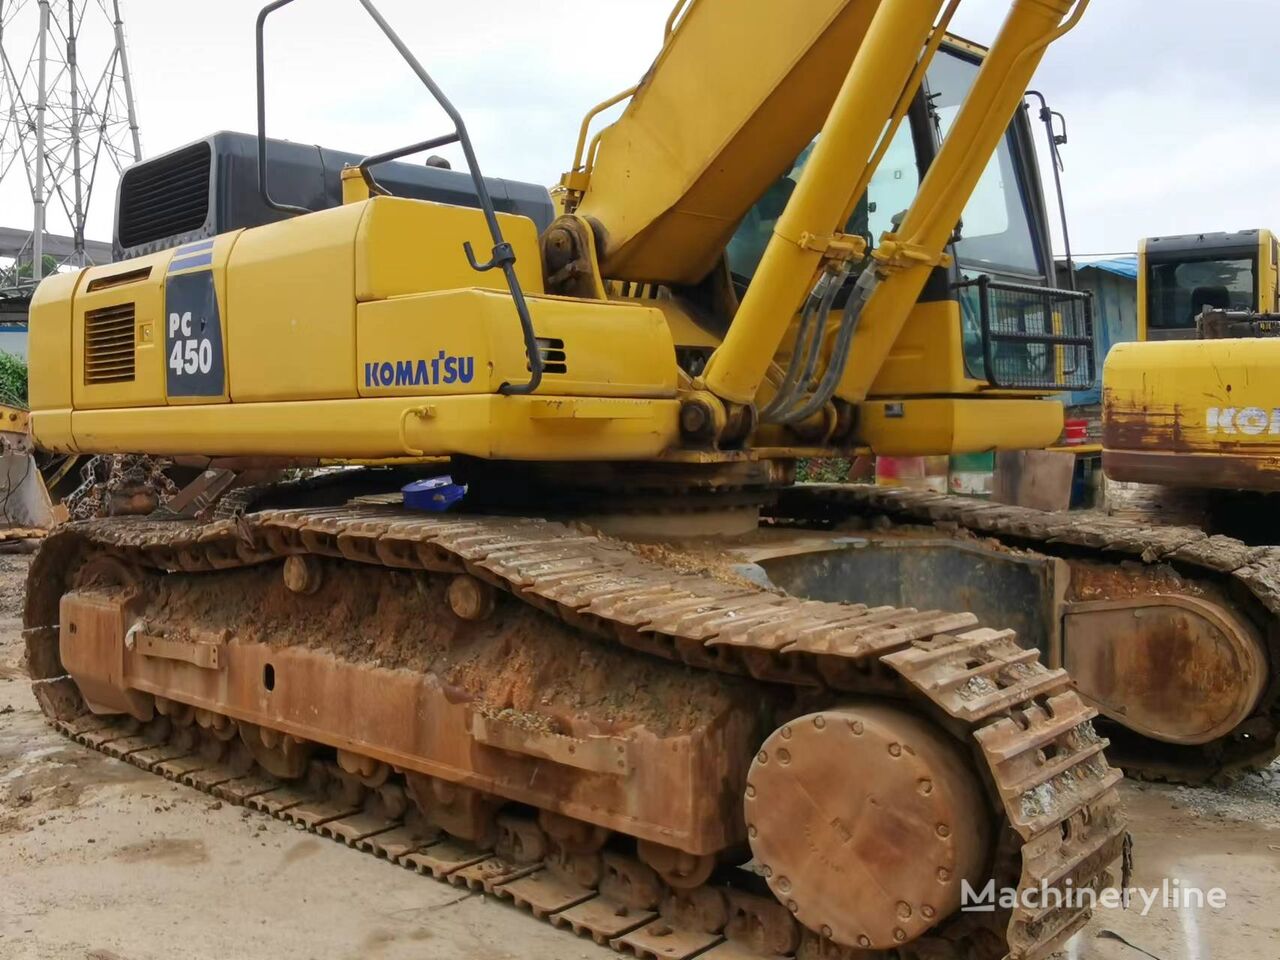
(1240, 581)
(1048, 781)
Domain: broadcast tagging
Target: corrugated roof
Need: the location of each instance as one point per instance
(1121, 266)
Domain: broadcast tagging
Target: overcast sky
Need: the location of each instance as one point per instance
(1172, 105)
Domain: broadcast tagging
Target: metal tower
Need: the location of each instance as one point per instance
(67, 117)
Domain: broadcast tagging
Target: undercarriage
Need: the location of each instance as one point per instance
(632, 743)
(1169, 631)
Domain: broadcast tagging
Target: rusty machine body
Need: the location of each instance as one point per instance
(540, 693)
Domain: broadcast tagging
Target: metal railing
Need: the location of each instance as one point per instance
(1034, 338)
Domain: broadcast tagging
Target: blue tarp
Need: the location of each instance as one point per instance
(1114, 284)
(1126, 266)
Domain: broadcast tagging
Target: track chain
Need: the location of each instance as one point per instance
(1044, 763)
(1255, 572)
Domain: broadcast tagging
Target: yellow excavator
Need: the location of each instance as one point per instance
(1198, 413)
(511, 630)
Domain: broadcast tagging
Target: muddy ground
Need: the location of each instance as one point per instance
(100, 861)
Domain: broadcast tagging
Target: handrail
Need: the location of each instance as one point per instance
(670, 28)
(591, 115)
(680, 7)
(502, 255)
(265, 12)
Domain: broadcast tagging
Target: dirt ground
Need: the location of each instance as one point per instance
(100, 861)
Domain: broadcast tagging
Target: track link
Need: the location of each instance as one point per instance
(1047, 777)
(1252, 573)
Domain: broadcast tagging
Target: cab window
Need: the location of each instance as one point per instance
(1178, 292)
(996, 235)
(890, 191)
(995, 229)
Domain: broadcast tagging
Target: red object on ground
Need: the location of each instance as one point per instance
(1075, 432)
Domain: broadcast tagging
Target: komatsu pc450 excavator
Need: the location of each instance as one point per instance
(537, 693)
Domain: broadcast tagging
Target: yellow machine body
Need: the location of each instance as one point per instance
(1194, 413)
(772, 254)
(1189, 412)
(346, 334)
(361, 332)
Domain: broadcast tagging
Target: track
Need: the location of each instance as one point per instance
(1047, 780)
(1250, 575)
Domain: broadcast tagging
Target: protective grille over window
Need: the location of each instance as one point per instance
(1033, 338)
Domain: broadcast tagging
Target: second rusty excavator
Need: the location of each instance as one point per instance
(540, 693)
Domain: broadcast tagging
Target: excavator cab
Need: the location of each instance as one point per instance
(1180, 276)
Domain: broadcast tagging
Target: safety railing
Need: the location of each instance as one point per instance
(1034, 338)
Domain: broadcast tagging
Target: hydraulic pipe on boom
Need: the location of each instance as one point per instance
(905, 259)
(808, 232)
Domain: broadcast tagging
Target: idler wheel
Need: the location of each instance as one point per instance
(865, 820)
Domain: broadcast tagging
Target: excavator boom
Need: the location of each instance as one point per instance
(731, 100)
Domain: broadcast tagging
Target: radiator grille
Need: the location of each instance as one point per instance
(554, 358)
(166, 197)
(109, 344)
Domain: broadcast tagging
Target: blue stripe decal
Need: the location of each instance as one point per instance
(199, 247)
(199, 260)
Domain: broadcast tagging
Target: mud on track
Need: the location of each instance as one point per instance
(101, 861)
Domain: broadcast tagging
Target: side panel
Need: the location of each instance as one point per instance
(50, 362)
(194, 337)
(291, 309)
(1193, 412)
(934, 426)
(928, 358)
(468, 341)
(49, 343)
(410, 246)
(293, 287)
(117, 334)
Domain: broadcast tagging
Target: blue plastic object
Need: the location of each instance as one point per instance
(437, 494)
